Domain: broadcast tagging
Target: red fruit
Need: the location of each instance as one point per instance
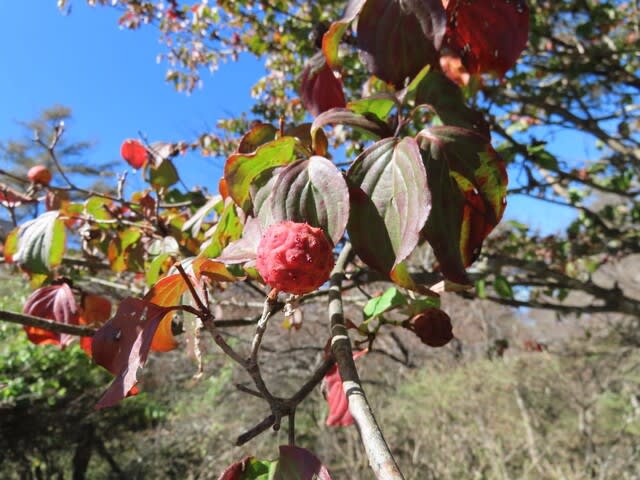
(39, 174)
(432, 326)
(134, 153)
(294, 257)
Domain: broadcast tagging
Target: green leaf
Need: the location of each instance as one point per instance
(228, 229)
(40, 243)
(96, 208)
(446, 98)
(409, 92)
(242, 168)
(312, 191)
(379, 105)
(390, 202)
(120, 248)
(390, 299)
(152, 272)
(503, 287)
(164, 175)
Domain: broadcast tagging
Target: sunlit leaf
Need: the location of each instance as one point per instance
(258, 135)
(468, 182)
(39, 244)
(57, 303)
(379, 105)
(241, 169)
(488, 35)
(249, 468)
(502, 286)
(390, 299)
(227, 230)
(312, 191)
(333, 391)
(164, 175)
(390, 202)
(333, 36)
(167, 292)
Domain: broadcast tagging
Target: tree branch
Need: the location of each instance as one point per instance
(31, 321)
(380, 458)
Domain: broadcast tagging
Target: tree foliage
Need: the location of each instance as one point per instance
(430, 110)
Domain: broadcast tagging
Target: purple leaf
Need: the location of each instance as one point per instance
(390, 202)
(399, 37)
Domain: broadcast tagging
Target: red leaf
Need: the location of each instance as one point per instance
(301, 464)
(320, 88)
(56, 303)
(489, 35)
(339, 414)
(122, 345)
(134, 153)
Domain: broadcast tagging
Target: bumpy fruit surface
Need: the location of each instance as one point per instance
(432, 326)
(294, 257)
(39, 174)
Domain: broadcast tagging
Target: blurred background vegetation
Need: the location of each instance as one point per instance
(518, 396)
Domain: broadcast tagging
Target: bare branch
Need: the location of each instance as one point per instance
(31, 321)
(380, 457)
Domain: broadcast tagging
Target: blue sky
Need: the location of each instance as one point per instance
(115, 87)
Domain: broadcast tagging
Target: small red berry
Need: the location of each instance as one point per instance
(432, 326)
(294, 257)
(134, 153)
(39, 174)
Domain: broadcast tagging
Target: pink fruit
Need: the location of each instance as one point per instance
(39, 174)
(294, 257)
